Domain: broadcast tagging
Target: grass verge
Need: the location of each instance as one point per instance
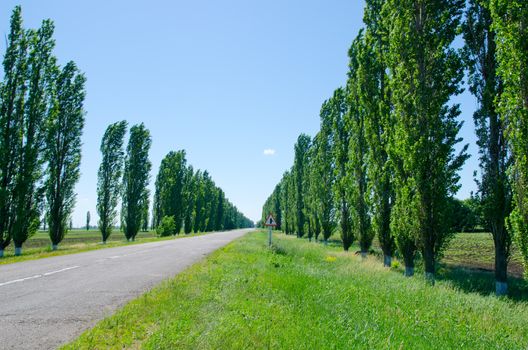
(303, 295)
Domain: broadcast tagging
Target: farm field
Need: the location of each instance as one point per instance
(76, 241)
(303, 295)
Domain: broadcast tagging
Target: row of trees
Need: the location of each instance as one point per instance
(126, 177)
(384, 161)
(184, 198)
(41, 123)
(189, 201)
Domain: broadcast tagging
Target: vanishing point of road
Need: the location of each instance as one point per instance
(47, 302)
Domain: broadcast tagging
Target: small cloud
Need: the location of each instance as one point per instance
(269, 152)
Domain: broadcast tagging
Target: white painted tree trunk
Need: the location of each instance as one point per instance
(501, 288)
(409, 271)
(18, 251)
(54, 246)
(1, 253)
(430, 278)
(387, 260)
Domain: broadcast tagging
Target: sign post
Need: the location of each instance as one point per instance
(270, 223)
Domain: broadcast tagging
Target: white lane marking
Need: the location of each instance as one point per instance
(38, 276)
(20, 280)
(123, 256)
(61, 270)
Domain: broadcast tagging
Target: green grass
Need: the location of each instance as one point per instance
(76, 241)
(303, 295)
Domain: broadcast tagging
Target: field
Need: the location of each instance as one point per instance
(76, 241)
(303, 295)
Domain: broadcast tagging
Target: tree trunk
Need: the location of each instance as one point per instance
(429, 262)
(18, 251)
(387, 260)
(501, 269)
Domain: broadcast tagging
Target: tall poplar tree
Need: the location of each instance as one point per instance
(324, 169)
(63, 148)
(109, 176)
(12, 94)
(136, 177)
(28, 188)
(510, 24)
(300, 180)
(494, 188)
(375, 100)
(358, 148)
(188, 199)
(340, 150)
(426, 73)
(170, 188)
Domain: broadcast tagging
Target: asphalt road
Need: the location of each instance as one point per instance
(47, 302)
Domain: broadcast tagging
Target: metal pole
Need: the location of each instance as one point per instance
(269, 237)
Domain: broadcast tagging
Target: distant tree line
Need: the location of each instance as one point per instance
(184, 200)
(41, 123)
(188, 201)
(384, 161)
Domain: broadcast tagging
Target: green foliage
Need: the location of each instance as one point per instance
(323, 173)
(63, 147)
(28, 190)
(425, 73)
(11, 115)
(170, 187)
(341, 153)
(374, 98)
(109, 176)
(300, 169)
(510, 23)
(135, 179)
(357, 164)
(167, 227)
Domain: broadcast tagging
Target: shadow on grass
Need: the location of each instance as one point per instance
(472, 280)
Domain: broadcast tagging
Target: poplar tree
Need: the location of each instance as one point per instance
(28, 189)
(88, 221)
(510, 24)
(494, 189)
(63, 148)
(109, 176)
(300, 181)
(340, 150)
(12, 94)
(135, 179)
(199, 207)
(357, 165)
(375, 101)
(285, 206)
(324, 170)
(189, 199)
(219, 216)
(170, 188)
(426, 73)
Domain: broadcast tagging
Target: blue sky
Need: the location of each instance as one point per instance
(232, 82)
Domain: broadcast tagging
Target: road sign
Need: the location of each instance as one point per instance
(270, 221)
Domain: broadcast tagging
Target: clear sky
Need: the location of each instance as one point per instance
(232, 82)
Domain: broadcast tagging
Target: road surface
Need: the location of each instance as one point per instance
(48, 302)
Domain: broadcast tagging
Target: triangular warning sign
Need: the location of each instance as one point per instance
(270, 221)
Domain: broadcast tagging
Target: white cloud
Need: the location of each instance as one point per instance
(269, 152)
